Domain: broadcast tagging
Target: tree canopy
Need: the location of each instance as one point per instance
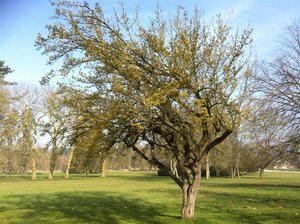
(176, 85)
(280, 81)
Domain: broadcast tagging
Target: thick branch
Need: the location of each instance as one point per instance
(154, 161)
(216, 142)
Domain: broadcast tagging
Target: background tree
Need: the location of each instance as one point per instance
(8, 132)
(235, 154)
(177, 85)
(280, 80)
(56, 125)
(4, 71)
(5, 97)
(278, 126)
(225, 158)
(29, 114)
(266, 133)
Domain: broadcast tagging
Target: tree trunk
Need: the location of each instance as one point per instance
(69, 162)
(232, 164)
(33, 163)
(173, 167)
(218, 171)
(86, 172)
(52, 163)
(261, 172)
(103, 168)
(207, 167)
(190, 194)
(237, 167)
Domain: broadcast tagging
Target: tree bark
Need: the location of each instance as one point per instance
(69, 162)
(207, 167)
(261, 172)
(33, 163)
(238, 166)
(52, 164)
(190, 194)
(218, 171)
(103, 168)
(173, 167)
(231, 170)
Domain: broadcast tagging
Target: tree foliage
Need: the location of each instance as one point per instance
(4, 94)
(175, 85)
(57, 125)
(4, 71)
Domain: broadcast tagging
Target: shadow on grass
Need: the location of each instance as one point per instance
(44, 176)
(143, 178)
(245, 207)
(15, 178)
(251, 208)
(27, 177)
(257, 185)
(82, 207)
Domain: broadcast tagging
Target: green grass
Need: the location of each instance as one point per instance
(143, 197)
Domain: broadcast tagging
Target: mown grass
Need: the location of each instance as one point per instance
(143, 197)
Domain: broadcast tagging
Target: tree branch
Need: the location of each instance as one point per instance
(155, 161)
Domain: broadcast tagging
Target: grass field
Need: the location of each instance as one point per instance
(141, 197)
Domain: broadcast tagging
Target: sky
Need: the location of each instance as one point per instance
(22, 20)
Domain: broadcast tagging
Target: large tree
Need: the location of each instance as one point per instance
(280, 81)
(28, 115)
(8, 123)
(4, 93)
(5, 99)
(176, 85)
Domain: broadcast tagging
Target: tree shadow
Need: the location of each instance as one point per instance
(142, 178)
(82, 207)
(250, 208)
(243, 207)
(145, 177)
(258, 185)
(27, 177)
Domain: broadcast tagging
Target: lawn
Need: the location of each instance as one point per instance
(143, 197)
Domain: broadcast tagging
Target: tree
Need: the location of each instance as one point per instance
(266, 136)
(280, 81)
(28, 116)
(177, 86)
(235, 155)
(56, 125)
(92, 149)
(28, 126)
(279, 91)
(70, 158)
(4, 70)
(4, 93)
(225, 157)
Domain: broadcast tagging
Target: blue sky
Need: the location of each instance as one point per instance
(21, 20)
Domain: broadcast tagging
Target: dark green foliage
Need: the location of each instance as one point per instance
(213, 172)
(161, 172)
(4, 70)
